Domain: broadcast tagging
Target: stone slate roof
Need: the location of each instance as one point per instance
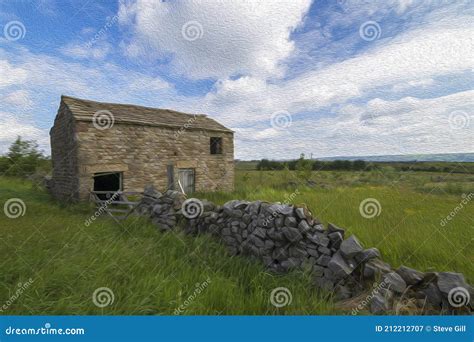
(84, 110)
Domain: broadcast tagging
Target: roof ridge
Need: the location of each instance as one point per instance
(134, 105)
(131, 112)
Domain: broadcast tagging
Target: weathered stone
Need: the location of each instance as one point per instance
(253, 208)
(291, 221)
(323, 260)
(368, 254)
(332, 228)
(280, 254)
(432, 294)
(281, 209)
(303, 226)
(324, 250)
(449, 280)
(336, 239)
(350, 247)
(410, 275)
(319, 239)
(292, 234)
(300, 213)
(226, 232)
(297, 252)
(379, 304)
(339, 266)
(256, 241)
(260, 232)
(274, 235)
(394, 282)
(279, 222)
(312, 252)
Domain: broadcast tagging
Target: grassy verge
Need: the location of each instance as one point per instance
(148, 272)
(154, 273)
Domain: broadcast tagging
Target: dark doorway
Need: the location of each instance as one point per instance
(110, 181)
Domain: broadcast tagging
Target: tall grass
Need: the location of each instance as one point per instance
(150, 272)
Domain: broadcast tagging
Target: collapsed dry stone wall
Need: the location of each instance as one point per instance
(285, 237)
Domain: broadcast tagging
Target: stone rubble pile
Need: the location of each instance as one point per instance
(285, 237)
(163, 208)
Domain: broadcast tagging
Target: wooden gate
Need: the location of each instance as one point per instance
(119, 204)
(186, 180)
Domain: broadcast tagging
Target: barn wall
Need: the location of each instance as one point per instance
(143, 153)
(64, 156)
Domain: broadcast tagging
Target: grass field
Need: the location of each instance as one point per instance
(150, 272)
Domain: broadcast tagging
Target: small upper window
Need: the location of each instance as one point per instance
(216, 145)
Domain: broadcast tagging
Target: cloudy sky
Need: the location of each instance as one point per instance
(327, 78)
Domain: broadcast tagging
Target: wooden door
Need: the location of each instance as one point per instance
(186, 178)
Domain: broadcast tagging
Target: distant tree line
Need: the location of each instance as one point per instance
(315, 165)
(24, 159)
(306, 165)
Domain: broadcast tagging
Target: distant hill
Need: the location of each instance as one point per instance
(442, 157)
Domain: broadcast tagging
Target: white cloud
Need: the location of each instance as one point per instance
(422, 54)
(422, 83)
(236, 37)
(11, 127)
(20, 98)
(83, 51)
(10, 75)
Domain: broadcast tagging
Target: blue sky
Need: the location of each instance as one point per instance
(328, 78)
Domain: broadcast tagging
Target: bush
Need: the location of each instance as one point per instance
(24, 159)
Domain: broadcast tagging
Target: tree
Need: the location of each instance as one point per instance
(303, 168)
(23, 158)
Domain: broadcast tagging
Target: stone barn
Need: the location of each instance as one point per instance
(109, 147)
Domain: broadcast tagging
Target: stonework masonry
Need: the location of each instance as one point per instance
(143, 153)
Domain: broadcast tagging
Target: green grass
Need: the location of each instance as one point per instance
(151, 272)
(407, 230)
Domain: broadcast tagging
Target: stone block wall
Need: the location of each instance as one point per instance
(143, 153)
(65, 181)
(284, 238)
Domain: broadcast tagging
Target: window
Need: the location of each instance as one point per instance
(216, 145)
